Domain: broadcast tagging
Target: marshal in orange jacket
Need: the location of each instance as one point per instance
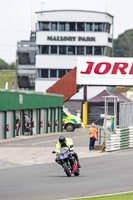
(93, 132)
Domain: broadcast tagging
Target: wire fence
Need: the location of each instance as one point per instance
(96, 114)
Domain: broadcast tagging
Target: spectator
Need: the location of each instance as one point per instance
(17, 125)
(26, 118)
(13, 86)
(93, 136)
(27, 123)
(78, 113)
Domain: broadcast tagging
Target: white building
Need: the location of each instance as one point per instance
(63, 35)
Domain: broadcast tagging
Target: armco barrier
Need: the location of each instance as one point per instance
(121, 139)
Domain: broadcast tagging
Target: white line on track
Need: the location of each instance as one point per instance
(44, 142)
(99, 195)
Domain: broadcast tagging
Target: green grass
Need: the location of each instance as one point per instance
(7, 76)
(112, 197)
(131, 89)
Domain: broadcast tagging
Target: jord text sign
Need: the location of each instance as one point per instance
(105, 71)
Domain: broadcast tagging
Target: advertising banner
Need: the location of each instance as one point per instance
(105, 71)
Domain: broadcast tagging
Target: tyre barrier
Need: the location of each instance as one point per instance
(121, 139)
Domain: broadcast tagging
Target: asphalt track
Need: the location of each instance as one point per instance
(43, 179)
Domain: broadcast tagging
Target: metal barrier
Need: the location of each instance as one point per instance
(100, 135)
(121, 139)
(126, 115)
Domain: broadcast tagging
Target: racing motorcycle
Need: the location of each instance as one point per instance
(69, 163)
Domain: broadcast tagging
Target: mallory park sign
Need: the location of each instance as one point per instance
(105, 71)
(71, 38)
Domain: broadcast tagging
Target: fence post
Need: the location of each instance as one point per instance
(5, 121)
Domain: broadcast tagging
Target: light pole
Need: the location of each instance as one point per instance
(42, 4)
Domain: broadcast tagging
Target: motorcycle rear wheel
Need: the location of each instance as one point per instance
(66, 168)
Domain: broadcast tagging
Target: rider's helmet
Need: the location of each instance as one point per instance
(62, 139)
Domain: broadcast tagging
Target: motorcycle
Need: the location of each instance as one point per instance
(69, 163)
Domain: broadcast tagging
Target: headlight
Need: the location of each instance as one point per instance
(63, 155)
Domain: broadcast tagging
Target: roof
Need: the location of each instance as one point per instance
(100, 97)
(21, 100)
(91, 11)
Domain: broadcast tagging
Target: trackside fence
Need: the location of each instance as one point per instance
(121, 139)
(126, 115)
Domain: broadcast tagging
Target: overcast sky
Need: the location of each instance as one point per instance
(17, 18)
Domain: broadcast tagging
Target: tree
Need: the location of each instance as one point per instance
(12, 66)
(123, 45)
(3, 64)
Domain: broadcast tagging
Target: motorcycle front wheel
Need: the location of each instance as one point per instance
(66, 168)
(76, 174)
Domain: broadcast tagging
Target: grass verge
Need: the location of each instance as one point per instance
(7, 76)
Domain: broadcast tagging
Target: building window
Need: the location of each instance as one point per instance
(71, 50)
(68, 70)
(88, 50)
(54, 26)
(89, 27)
(71, 26)
(62, 72)
(44, 73)
(98, 51)
(45, 49)
(45, 26)
(62, 50)
(108, 27)
(53, 49)
(80, 26)
(98, 27)
(104, 27)
(62, 26)
(110, 40)
(53, 73)
(74, 26)
(23, 58)
(32, 56)
(80, 50)
(64, 114)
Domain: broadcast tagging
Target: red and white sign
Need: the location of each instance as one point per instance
(109, 71)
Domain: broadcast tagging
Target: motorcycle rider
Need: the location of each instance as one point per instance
(67, 142)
